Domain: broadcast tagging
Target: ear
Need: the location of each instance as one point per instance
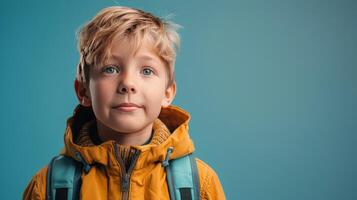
(169, 95)
(82, 94)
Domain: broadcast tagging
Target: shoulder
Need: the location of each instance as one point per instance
(36, 188)
(210, 185)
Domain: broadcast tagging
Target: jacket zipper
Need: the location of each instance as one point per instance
(125, 175)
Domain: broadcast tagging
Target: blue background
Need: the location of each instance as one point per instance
(271, 87)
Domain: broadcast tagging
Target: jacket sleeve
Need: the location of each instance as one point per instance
(210, 186)
(36, 188)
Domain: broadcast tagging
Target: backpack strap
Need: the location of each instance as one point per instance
(63, 178)
(182, 177)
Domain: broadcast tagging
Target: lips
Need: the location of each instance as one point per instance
(128, 105)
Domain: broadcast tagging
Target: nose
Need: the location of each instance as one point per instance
(127, 84)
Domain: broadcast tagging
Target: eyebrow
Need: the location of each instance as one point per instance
(143, 57)
(147, 57)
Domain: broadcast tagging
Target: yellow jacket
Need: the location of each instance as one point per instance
(147, 179)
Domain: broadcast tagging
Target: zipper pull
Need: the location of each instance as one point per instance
(166, 163)
(125, 182)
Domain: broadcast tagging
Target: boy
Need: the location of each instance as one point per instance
(124, 128)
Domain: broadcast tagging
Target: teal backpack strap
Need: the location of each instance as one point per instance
(182, 177)
(63, 179)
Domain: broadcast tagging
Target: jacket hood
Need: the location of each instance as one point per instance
(176, 120)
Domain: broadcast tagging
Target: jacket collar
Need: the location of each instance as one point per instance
(175, 118)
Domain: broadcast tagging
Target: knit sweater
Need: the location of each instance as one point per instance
(88, 136)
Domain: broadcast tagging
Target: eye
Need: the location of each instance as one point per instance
(147, 71)
(110, 70)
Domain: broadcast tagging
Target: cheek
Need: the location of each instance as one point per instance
(101, 92)
(155, 97)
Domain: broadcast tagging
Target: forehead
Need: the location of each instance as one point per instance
(124, 48)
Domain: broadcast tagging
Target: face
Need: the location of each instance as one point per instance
(139, 78)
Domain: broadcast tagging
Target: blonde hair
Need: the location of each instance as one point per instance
(130, 24)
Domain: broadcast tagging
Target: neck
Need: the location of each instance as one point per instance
(139, 137)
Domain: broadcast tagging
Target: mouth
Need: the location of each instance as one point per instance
(127, 107)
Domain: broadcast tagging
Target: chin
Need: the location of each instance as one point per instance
(127, 129)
